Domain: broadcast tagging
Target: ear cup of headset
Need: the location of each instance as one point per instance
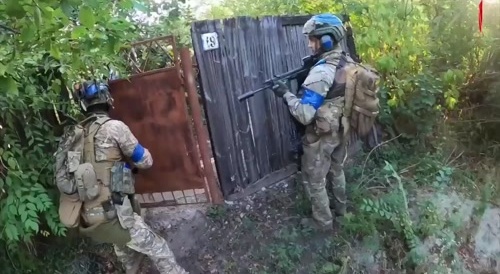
(326, 42)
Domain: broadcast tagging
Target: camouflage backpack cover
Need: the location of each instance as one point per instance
(361, 98)
(70, 204)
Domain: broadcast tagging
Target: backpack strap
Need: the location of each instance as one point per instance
(90, 132)
(343, 60)
(337, 90)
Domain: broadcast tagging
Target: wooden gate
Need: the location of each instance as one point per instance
(153, 104)
(255, 141)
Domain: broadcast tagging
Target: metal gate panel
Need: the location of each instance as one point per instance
(159, 103)
(153, 105)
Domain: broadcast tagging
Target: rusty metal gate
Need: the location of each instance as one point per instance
(152, 102)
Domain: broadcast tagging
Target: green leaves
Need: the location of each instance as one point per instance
(31, 224)
(8, 85)
(12, 210)
(86, 17)
(55, 37)
(14, 8)
(78, 32)
(38, 17)
(329, 267)
(3, 68)
(54, 51)
(11, 232)
(11, 162)
(28, 34)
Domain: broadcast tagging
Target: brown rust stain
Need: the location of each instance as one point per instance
(153, 105)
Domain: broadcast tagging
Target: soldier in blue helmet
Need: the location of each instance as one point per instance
(94, 174)
(320, 110)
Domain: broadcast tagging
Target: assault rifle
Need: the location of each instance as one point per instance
(298, 74)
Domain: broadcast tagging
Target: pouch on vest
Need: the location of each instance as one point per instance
(104, 212)
(122, 179)
(86, 181)
(327, 118)
(69, 210)
(109, 210)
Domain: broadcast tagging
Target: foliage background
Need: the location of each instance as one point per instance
(46, 46)
(435, 64)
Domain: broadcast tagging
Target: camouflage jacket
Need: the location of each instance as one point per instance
(316, 86)
(115, 134)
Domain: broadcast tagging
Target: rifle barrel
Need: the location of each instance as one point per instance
(268, 83)
(251, 93)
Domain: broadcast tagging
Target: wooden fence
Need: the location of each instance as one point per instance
(254, 140)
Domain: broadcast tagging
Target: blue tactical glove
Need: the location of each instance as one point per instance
(280, 88)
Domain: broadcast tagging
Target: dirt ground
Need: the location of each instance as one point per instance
(235, 238)
(260, 234)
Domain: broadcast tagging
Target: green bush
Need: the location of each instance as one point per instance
(49, 45)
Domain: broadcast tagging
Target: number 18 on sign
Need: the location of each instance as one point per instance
(210, 41)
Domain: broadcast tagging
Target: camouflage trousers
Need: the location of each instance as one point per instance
(322, 162)
(144, 241)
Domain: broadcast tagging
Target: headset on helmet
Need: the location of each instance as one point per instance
(91, 93)
(327, 27)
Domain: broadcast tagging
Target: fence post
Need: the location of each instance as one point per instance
(215, 193)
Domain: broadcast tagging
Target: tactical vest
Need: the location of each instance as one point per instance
(91, 189)
(97, 194)
(327, 116)
(339, 84)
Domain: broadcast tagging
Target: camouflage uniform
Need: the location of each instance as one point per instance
(116, 134)
(324, 150)
(323, 143)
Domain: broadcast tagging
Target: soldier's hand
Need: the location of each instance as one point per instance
(280, 88)
(134, 169)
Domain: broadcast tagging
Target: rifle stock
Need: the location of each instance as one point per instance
(307, 63)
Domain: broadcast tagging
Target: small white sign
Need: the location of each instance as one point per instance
(210, 41)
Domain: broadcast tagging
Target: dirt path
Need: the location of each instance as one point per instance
(260, 234)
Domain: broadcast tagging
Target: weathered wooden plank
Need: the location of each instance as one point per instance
(212, 75)
(245, 53)
(232, 49)
(269, 179)
(293, 55)
(224, 90)
(291, 60)
(273, 64)
(256, 105)
(265, 138)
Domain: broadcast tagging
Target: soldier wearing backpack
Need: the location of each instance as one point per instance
(94, 173)
(336, 94)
